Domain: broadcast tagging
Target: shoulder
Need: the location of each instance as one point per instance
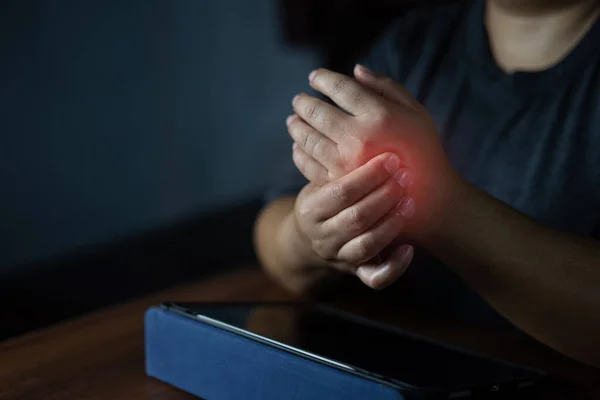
(420, 34)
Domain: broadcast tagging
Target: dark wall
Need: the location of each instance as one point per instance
(118, 117)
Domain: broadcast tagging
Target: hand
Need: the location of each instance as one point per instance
(349, 221)
(381, 117)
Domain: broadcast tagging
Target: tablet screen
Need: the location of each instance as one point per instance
(352, 342)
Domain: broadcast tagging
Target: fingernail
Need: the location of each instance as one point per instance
(289, 119)
(365, 70)
(405, 254)
(295, 99)
(406, 207)
(392, 163)
(294, 146)
(311, 76)
(364, 273)
(405, 178)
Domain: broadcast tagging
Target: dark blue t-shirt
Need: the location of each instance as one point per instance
(529, 139)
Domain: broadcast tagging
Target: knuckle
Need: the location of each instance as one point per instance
(362, 101)
(323, 249)
(339, 192)
(357, 218)
(381, 111)
(295, 131)
(363, 140)
(304, 138)
(330, 176)
(341, 165)
(365, 149)
(338, 85)
(304, 211)
(358, 96)
(312, 110)
(318, 148)
(364, 248)
(382, 116)
(299, 162)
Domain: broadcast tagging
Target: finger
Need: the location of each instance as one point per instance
(344, 91)
(349, 189)
(363, 215)
(324, 117)
(381, 276)
(309, 167)
(315, 144)
(368, 244)
(386, 87)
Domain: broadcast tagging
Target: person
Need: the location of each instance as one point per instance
(468, 140)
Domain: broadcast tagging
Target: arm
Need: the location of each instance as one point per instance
(545, 281)
(281, 251)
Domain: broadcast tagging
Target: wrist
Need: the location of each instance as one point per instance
(442, 207)
(299, 269)
(451, 211)
(297, 246)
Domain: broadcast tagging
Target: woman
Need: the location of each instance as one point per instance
(493, 167)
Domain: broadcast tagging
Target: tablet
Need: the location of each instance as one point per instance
(366, 348)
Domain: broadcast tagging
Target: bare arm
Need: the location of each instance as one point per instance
(282, 253)
(545, 281)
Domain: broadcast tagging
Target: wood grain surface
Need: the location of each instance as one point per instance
(101, 356)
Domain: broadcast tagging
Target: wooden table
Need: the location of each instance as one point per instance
(101, 356)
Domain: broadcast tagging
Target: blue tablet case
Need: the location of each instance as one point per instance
(215, 364)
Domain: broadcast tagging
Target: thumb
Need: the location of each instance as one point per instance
(380, 276)
(385, 87)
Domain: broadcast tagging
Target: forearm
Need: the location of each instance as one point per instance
(545, 281)
(282, 252)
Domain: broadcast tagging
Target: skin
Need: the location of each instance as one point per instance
(533, 35)
(325, 228)
(545, 281)
(538, 7)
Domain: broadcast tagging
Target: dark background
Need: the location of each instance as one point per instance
(137, 137)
